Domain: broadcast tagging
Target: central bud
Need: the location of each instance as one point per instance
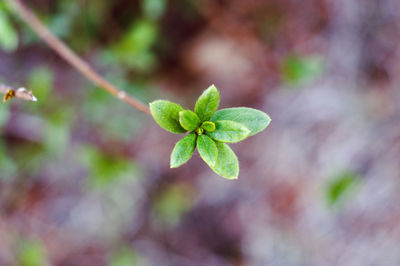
(208, 126)
(199, 131)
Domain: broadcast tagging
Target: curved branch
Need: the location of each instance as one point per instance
(71, 57)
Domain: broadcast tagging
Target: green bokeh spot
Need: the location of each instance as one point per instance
(341, 187)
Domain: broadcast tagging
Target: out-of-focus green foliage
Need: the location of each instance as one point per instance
(341, 186)
(172, 204)
(41, 84)
(32, 253)
(300, 70)
(56, 127)
(105, 169)
(154, 8)
(51, 122)
(7, 165)
(135, 48)
(110, 117)
(62, 22)
(30, 158)
(4, 114)
(126, 257)
(70, 19)
(57, 130)
(8, 34)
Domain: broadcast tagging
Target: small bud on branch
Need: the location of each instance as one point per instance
(26, 14)
(20, 93)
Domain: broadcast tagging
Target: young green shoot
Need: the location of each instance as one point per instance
(209, 130)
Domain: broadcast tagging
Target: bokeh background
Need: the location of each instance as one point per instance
(85, 178)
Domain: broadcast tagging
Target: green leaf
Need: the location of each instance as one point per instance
(255, 120)
(227, 164)
(207, 149)
(166, 114)
(183, 150)
(229, 131)
(189, 120)
(207, 103)
(208, 126)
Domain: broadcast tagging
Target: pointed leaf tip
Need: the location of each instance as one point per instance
(183, 150)
(255, 120)
(207, 103)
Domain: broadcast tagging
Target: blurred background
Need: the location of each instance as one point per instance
(85, 178)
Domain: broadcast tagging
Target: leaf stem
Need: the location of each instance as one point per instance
(70, 56)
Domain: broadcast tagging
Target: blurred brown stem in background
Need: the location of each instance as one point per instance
(20, 93)
(71, 57)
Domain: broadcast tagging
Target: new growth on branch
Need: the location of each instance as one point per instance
(20, 93)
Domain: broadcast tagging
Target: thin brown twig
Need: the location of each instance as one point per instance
(71, 57)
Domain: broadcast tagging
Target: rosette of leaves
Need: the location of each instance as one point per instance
(209, 130)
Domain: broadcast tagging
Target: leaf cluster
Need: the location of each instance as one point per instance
(209, 130)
